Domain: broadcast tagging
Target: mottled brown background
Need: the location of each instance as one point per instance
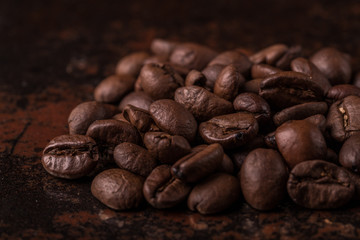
(53, 53)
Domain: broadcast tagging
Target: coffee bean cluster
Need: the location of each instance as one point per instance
(187, 124)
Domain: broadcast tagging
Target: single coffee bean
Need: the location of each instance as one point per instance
(269, 55)
(134, 158)
(114, 88)
(70, 156)
(162, 190)
(192, 56)
(292, 53)
(334, 64)
(300, 140)
(285, 89)
(214, 194)
(118, 189)
(252, 86)
(140, 118)
(131, 64)
(349, 156)
(211, 73)
(86, 113)
(165, 147)
(299, 112)
(195, 77)
(231, 130)
(263, 178)
(137, 99)
(341, 91)
(202, 103)
(162, 47)
(263, 70)
(159, 80)
(343, 118)
(228, 82)
(319, 184)
(174, 118)
(120, 117)
(197, 165)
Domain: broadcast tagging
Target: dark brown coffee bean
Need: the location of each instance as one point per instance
(355, 178)
(114, 88)
(159, 80)
(319, 184)
(300, 140)
(252, 86)
(319, 120)
(253, 103)
(120, 117)
(202, 103)
(174, 118)
(137, 99)
(131, 64)
(349, 156)
(231, 131)
(118, 189)
(263, 70)
(214, 194)
(211, 73)
(134, 158)
(285, 89)
(195, 77)
(343, 118)
(197, 165)
(334, 64)
(228, 82)
(192, 56)
(86, 113)
(70, 156)
(331, 156)
(341, 91)
(140, 118)
(162, 47)
(269, 55)
(292, 53)
(163, 190)
(263, 178)
(299, 112)
(165, 147)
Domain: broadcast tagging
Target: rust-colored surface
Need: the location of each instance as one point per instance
(53, 53)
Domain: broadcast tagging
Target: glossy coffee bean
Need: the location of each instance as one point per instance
(252, 86)
(214, 194)
(349, 156)
(137, 99)
(263, 178)
(234, 57)
(134, 158)
(140, 118)
(263, 70)
(131, 64)
(195, 77)
(70, 156)
(86, 113)
(118, 189)
(211, 73)
(228, 82)
(319, 120)
(269, 55)
(319, 184)
(114, 88)
(162, 190)
(162, 47)
(341, 91)
(285, 60)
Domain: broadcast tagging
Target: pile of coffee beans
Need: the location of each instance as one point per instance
(187, 124)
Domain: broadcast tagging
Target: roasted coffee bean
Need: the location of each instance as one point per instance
(120, 117)
(319, 120)
(214, 194)
(231, 131)
(263, 70)
(165, 147)
(343, 118)
(131, 64)
(114, 88)
(300, 140)
(211, 73)
(252, 86)
(86, 113)
(70, 156)
(285, 89)
(162, 190)
(341, 91)
(137, 99)
(319, 184)
(292, 53)
(269, 55)
(159, 80)
(236, 58)
(253, 103)
(349, 156)
(174, 118)
(228, 82)
(299, 112)
(134, 158)
(197, 165)
(195, 77)
(162, 47)
(140, 118)
(263, 178)
(355, 178)
(202, 103)
(334, 64)
(192, 55)
(118, 189)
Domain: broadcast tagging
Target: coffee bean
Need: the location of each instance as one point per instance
(118, 189)
(263, 178)
(162, 190)
(70, 156)
(195, 77)
(319, 184)
(349, 156)
(114, 88)
(211, 73)
(140, 118)
(162, 47)
(228, 83)
(263, 70)
(214, 194)
(341, 91)
(270, 140)
(131, 64)
(236, 58)
(137, 99)
(292, 53)
(319, 120)
(270, 54)
(252, 86)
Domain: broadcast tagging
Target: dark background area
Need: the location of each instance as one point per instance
(53, 53)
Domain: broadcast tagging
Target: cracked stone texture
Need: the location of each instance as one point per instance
(52, 55)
